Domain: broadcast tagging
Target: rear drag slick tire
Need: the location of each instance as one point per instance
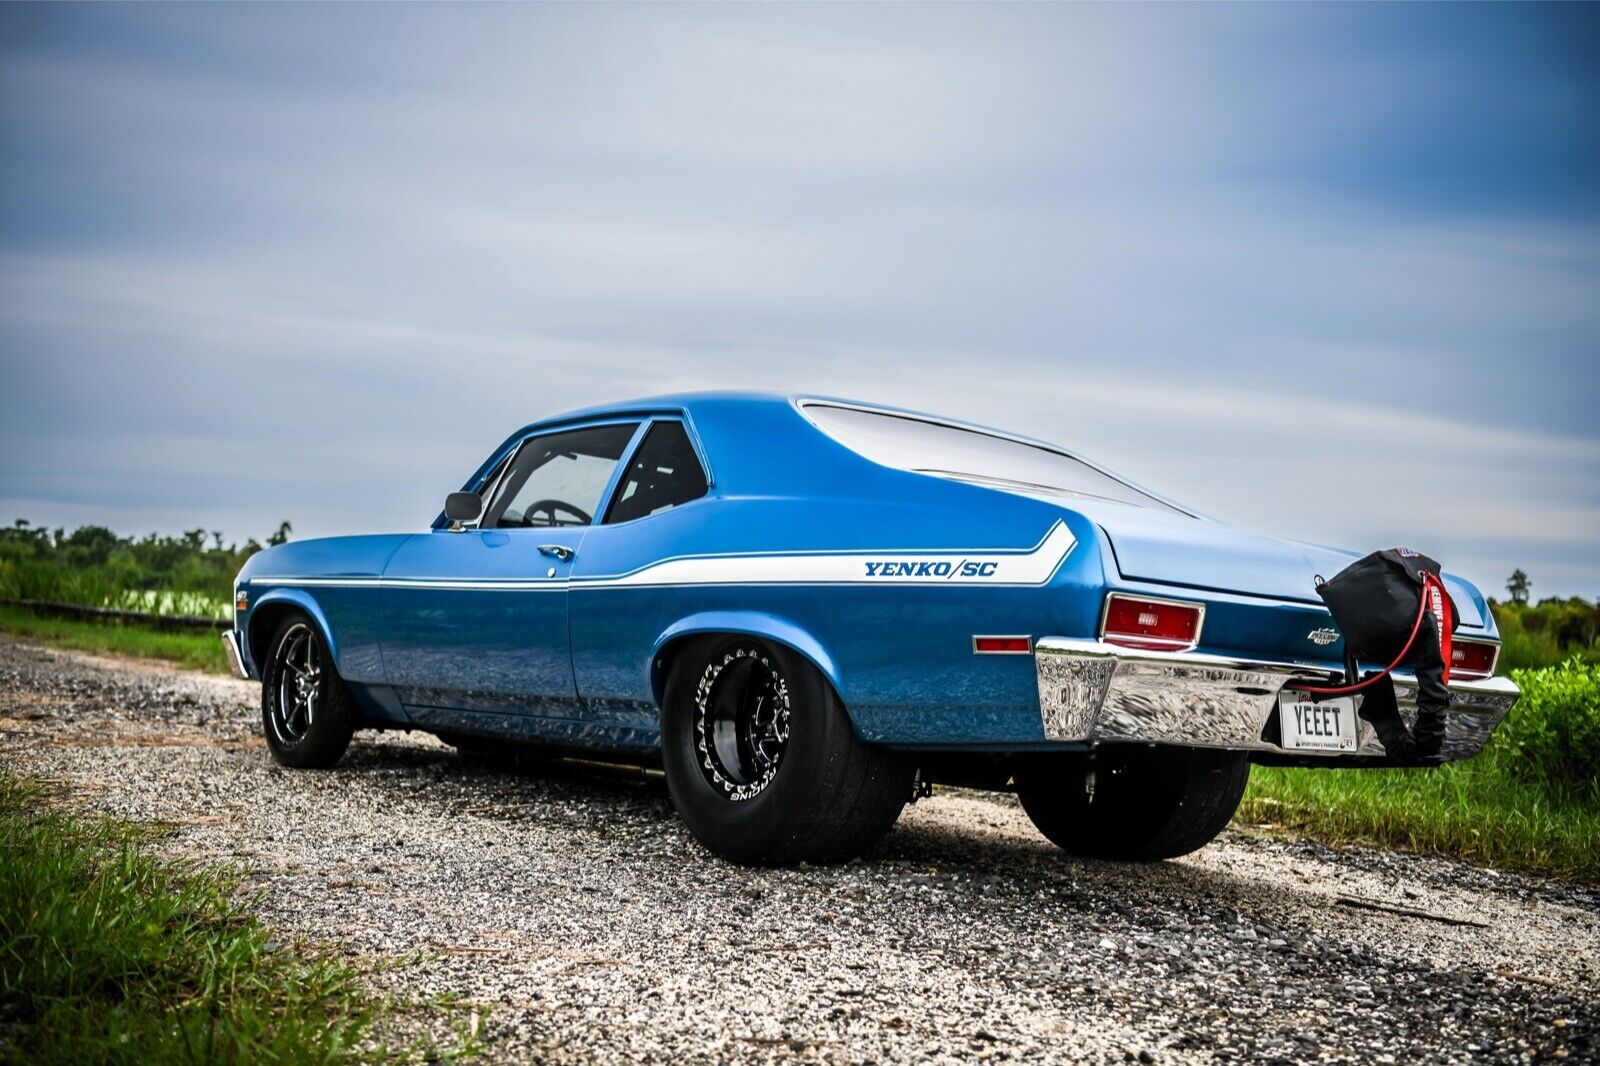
(1146, 804)
(762, 763)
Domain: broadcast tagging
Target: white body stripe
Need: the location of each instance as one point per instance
(987, 567)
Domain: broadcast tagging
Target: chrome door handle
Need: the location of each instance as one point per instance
(560, 551)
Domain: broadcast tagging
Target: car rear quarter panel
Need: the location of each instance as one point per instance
(900, 656)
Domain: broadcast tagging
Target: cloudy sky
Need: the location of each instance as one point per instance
(1331, 273)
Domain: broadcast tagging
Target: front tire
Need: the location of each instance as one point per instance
(1141, 804)
(307, 712)
(762, 763)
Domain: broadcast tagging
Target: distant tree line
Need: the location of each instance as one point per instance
(1544, 633)
(93, 566)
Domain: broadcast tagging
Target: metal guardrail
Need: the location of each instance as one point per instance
(51, 609)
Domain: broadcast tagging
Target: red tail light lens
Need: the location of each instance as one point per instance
(1472, 660)
(1159, 625)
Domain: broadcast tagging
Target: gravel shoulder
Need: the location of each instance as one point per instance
(571, 904)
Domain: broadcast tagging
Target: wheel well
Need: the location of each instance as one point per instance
(264, 622)
(667, 656)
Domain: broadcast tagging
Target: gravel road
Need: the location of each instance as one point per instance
(571, 904)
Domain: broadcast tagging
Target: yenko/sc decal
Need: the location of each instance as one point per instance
(964, 568)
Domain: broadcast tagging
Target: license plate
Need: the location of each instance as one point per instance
(1307, 726)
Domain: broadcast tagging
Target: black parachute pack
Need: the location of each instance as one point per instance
(1392, 607)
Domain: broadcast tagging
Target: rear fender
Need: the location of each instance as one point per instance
(753, 623)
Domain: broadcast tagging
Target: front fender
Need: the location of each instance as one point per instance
(264, 613)
(771, 627)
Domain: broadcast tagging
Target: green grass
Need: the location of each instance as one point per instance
(1462, 810)
(1530, 800)
(199, 650)
(108, 954)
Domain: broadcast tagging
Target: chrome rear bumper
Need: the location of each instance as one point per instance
(1090, 691)
(230, 645)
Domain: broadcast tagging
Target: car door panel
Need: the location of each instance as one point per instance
(477, 620)
(479, 616)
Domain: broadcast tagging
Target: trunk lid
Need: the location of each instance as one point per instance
(1203, 553)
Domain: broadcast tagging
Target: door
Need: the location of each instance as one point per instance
(477, 619)
(659, 510)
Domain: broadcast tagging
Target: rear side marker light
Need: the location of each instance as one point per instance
(1153, 625)
(1472, 660)
(1002, 645)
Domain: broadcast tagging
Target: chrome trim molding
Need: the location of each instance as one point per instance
(1092, 691)
(230, 645)
(993, 567)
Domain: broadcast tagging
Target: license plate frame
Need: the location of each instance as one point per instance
(1313, 727)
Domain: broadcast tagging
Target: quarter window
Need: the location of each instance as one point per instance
(665, 473)
(558, 479)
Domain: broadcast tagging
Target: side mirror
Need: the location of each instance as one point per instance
(462, 507)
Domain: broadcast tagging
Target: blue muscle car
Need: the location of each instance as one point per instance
(809, 609)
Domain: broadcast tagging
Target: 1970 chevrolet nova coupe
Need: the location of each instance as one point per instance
(809, 609)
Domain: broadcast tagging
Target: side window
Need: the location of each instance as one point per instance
(665, 472)
(558, 479)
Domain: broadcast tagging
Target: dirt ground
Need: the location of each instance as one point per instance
(572, 906)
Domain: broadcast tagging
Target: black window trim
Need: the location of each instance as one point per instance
(487, 479)
(626, 463)
(640, 424)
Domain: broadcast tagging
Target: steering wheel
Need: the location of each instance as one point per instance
(550, 507)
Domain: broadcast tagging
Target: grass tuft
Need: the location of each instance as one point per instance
(108, 954)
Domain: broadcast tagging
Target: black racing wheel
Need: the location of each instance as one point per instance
(306, 711)
(762, 762)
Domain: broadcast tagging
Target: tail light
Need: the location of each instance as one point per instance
(1472, 660)
(1002, 645)
(1157, 625)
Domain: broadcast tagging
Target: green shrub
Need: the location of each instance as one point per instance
(1522, 649)
(1552, 736)
(1545, 634)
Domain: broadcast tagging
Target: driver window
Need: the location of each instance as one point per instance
(557, 479)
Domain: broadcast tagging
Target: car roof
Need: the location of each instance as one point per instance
(752, 399)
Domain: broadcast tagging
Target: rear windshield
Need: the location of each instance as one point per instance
(925, 447)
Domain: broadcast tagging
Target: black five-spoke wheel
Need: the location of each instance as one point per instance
(293, 706)
(307, 712)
